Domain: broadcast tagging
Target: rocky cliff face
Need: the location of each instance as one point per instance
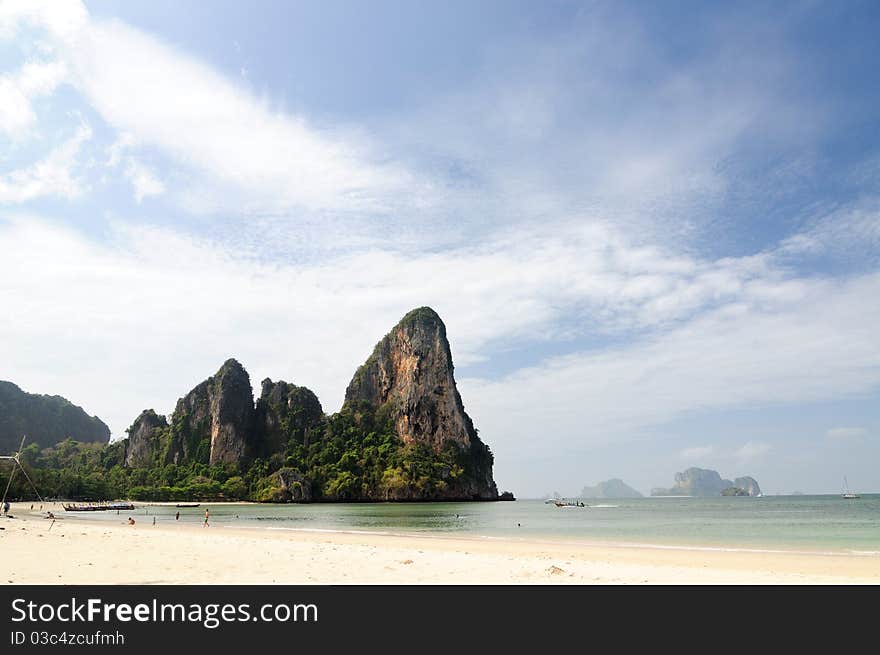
(409, 378)
(46, 420)
(705, 482)
(402, 433)
(410, 373)
(214, 421)
(285, 411)
(143, 441)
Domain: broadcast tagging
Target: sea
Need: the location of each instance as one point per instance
(826, 524)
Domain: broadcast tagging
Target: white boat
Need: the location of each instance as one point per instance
(846, 492)
(565, 503)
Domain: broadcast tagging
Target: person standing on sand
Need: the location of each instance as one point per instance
(177, 516)
(206, 518)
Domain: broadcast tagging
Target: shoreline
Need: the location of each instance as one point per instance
(82, 551)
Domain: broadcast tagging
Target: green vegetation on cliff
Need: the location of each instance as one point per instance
(342, 457)
(401, 435)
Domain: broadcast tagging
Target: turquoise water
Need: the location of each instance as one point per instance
(809, 523)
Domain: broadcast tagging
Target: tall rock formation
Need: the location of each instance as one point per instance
(409, 379)
(285, 412)
(45, 420)
(213, 423)
(144, 439)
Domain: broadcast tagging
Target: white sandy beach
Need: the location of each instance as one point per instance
(81, 552)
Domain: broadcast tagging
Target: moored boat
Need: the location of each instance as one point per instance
(91, 507)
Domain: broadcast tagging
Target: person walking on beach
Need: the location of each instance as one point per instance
(206, 518)
(5, 507)
(177, 516)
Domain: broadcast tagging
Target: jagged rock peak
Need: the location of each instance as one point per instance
(141, 445)
(219, 410)
(410, 371)
(285, 411)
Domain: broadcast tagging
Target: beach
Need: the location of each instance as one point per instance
(78, 551)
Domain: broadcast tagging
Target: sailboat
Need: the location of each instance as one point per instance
(846, 492)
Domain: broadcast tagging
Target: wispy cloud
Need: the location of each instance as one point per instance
(846, 433)
(17, 90)
(54, 175)
(143, 180)
(261, 158)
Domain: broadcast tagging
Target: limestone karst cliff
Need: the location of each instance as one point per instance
(285, 411)
(705, 482)
(402, 433)
(409, 378)
(214, 421)
(144, 439)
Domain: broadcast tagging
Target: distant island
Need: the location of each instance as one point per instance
(402, 435)
(613, 488)
(706, 482)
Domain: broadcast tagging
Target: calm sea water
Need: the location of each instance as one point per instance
(809, 523)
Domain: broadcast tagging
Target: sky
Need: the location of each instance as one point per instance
(652, 229)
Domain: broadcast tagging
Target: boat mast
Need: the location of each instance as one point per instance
(16, 464)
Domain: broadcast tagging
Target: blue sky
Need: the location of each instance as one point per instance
(652, 229)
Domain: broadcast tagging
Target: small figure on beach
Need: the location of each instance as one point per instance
(5, 507)
(177, 516)
(154, 520)
(50, 515)
(130, 521)
(206, 518)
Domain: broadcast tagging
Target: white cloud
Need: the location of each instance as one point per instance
(843, 433)
(776, 343)
(143, 180)
(248, 155)
(846, 233)
(17, 89)
(51, 176)
(696, 453)
(61, 18)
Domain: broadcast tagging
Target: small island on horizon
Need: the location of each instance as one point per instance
(706, 482)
